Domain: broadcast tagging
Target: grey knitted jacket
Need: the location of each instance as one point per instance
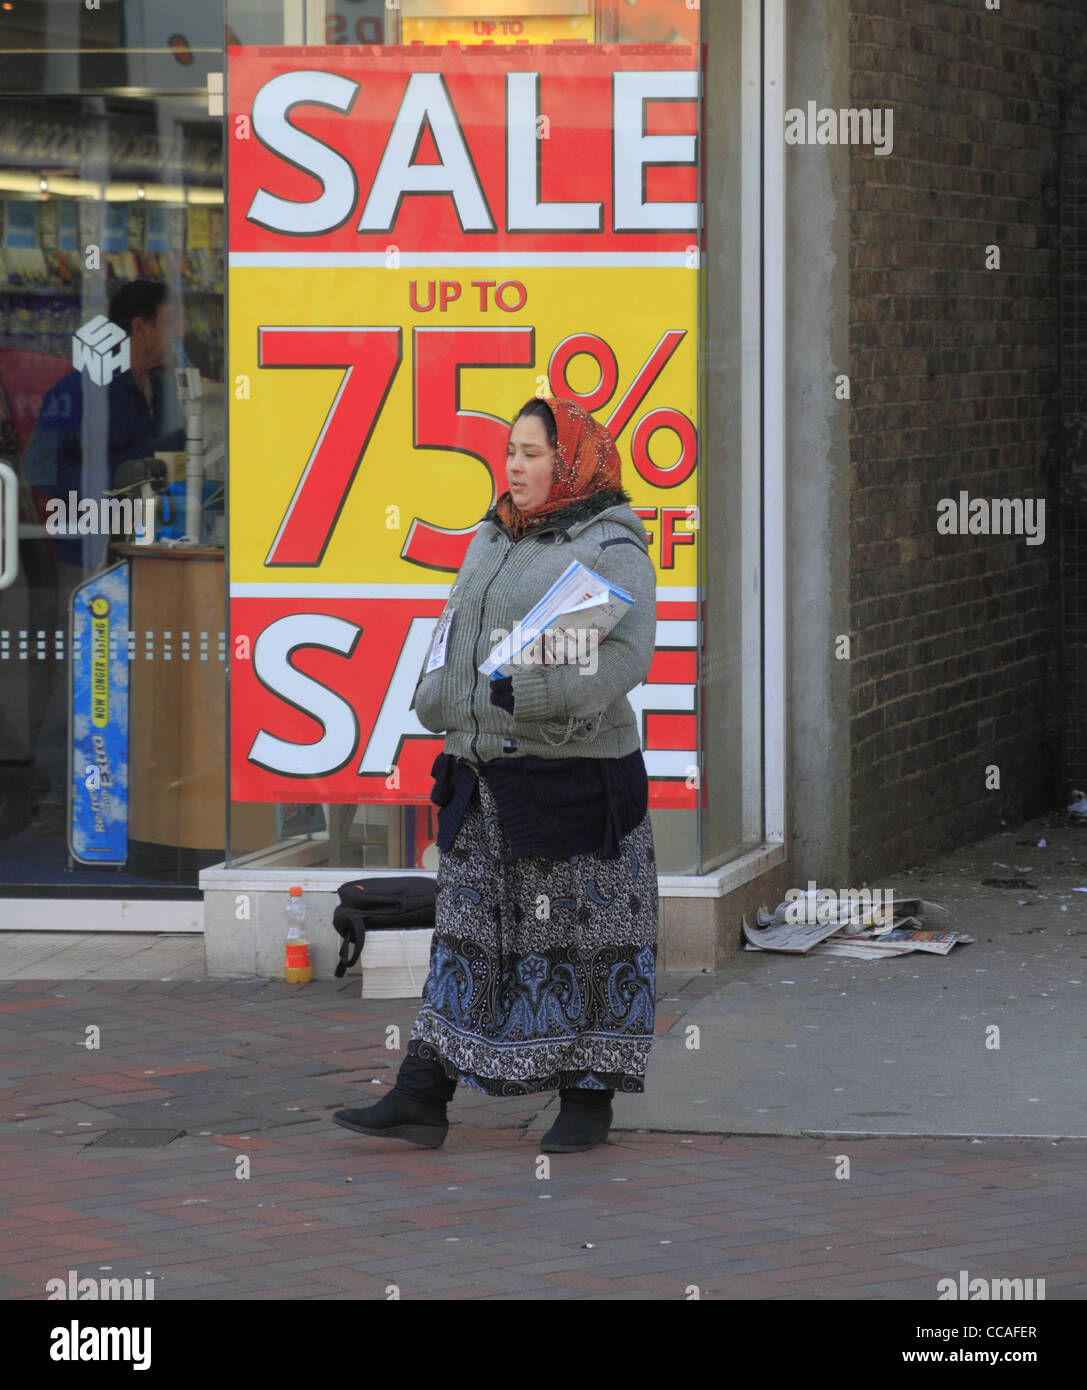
(559, 711)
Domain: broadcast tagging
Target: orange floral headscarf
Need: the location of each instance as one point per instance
(586, 461)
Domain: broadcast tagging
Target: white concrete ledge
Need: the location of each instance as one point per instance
(727, 878)
(240, 879)
(101, 914)
(245, 879)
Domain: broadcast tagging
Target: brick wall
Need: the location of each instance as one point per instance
(1073, 531)
(954, 386)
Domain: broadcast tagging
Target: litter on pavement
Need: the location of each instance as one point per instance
(852, 931)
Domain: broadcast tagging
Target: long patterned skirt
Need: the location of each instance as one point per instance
(542, 971)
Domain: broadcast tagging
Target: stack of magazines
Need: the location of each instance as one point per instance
(576, 613)
(395, 963)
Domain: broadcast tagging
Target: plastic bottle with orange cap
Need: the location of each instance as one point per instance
(298, 969)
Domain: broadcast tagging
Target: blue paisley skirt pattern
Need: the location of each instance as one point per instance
(542, 971)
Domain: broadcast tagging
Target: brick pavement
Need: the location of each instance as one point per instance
(254, 1069)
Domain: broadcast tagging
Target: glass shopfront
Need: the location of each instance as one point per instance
(434, 212)
(112, 670)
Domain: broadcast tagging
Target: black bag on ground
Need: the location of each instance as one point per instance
(381, 901)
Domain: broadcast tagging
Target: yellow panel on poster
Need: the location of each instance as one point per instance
(629, 346)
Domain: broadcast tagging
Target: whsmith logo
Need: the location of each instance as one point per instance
(101, 349)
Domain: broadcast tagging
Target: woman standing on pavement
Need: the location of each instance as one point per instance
(542, 969)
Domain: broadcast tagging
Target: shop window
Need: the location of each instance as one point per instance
(112, 349)
(426, 283)
(383, 333)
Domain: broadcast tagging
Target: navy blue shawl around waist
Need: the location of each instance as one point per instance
(556, 807)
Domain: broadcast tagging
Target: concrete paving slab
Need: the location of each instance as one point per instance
(28, 955)
(824, 1045)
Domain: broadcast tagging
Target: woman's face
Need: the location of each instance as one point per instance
(530, 463)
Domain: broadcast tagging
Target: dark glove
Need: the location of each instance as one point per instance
(502, 693)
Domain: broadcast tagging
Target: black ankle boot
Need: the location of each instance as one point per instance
(584, 1120)
(413, 1110)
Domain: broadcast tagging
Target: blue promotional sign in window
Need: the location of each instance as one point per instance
(20, 225)
(99, 807)
(116, 230)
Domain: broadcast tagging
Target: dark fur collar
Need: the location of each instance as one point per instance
(580, 509)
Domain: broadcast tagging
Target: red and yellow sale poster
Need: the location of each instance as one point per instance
(420, 239)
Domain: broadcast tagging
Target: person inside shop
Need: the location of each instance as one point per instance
(135, 415)
(142, 411)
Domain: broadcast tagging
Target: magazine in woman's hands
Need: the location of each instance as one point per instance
(576, 613)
